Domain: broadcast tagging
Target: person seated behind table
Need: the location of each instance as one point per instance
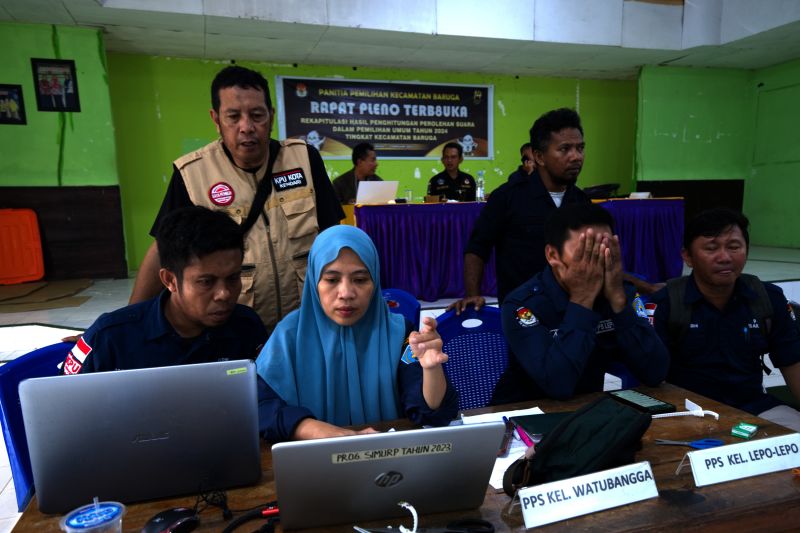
(729, 321)
(528, 164)
(564, 325)
(364, 164)
(451, 182)
(344, 356)
(195, 318)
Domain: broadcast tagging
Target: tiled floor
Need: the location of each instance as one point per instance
(771, 264)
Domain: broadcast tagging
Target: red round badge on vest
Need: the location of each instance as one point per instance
(221, 193)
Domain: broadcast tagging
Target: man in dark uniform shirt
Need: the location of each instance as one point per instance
(512, 220)
(567, 323)
(451, 182)
(731, 320)
(365, 162)
(195, 319)
(528, 164)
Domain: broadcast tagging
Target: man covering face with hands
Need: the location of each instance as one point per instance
(566, 324)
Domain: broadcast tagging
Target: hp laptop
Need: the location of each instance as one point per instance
(363, 477)
(376, 192)
(133, 435)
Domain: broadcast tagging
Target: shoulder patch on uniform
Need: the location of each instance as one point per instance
(289, 179)
(638, 307)
(188, 158)
(791, 312)
(287, 142)
(525, 317)
(408, 355)
(76, 357)
(650, 312)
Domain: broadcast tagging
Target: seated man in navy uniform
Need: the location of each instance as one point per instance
(451, 182)
(718, 322)
(195, 319)
(567, 323)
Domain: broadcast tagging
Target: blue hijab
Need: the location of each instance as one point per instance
(344, 374)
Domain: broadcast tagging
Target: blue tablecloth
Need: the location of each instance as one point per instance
(650, 234)
(421, 246)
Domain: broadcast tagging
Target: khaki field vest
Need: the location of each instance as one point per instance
(275, 255)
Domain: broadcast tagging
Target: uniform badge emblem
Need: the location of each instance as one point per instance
(289, 179)
(525, 317)
(221, 194)
(638, 307)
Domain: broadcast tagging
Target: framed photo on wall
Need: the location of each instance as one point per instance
(56, 85)
(12, 106)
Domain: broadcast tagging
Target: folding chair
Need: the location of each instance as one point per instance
(39, 363)
(477, 351)
(404, 303)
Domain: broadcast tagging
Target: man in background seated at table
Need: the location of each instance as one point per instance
(528, 164)
(451, 182)
(567, 323)
(364, 164)
(718, 322)
(195, 319)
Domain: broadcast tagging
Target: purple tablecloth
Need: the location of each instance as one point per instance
(421, 246)
(650, 234)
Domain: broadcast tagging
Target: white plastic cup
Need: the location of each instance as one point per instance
(98, 517)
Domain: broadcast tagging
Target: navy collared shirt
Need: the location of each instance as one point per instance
(139, 336)
(558, 348)
(512, 222)
(462, 188)
(719, 356)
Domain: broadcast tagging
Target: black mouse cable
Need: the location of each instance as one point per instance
(213, 499)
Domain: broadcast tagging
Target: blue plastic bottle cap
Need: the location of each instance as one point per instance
(93, 516)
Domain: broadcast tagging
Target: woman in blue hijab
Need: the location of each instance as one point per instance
(339, 354)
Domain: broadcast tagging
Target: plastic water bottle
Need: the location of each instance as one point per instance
(479, 190)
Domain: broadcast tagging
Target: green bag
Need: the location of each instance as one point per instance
(600, 435)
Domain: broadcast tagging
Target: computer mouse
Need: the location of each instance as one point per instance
(177, 520)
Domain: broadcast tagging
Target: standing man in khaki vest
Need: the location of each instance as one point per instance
(278, 191)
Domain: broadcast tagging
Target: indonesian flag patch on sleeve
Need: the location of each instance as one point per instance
(76, 357)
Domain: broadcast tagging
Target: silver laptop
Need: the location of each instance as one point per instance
(363, 477)
(133, 435)
(376, 192)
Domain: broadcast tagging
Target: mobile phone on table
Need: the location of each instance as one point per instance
(642, 402)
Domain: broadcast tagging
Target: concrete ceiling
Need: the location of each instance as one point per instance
(203, 29)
